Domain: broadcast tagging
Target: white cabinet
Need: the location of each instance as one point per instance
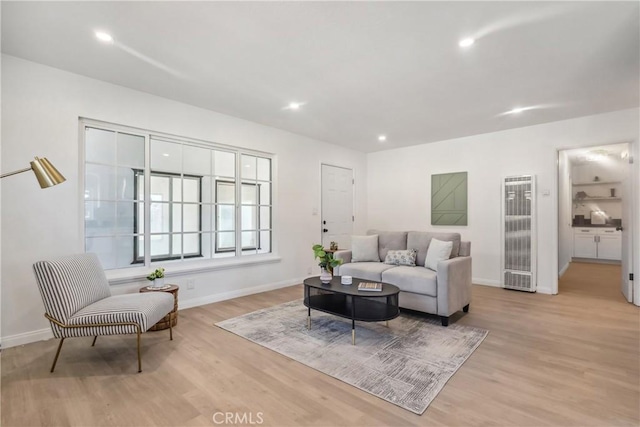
(610, 245)
(584, 245)
(597, 243)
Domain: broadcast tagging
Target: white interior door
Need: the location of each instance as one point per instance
(337, 206)
(627, 232)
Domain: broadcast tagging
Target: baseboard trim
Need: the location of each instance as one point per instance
(26, 338)
(544, 290)
(564, 269)
(597, 261)
(497, 284)
(223, 296)
(486, 282)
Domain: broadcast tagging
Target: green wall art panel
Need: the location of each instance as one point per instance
(449, 199)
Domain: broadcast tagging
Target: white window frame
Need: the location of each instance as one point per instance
(183, 265)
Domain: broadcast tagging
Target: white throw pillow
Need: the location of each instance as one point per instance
(364, 248)
(438, 251)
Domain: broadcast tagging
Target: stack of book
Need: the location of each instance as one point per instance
(370, 286)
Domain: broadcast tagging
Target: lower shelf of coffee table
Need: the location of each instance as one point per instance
(367, 309)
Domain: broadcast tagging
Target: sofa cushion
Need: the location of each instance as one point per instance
(438, 251)
(406, 257)
(412, 279)
(420, 240)
(390, 240)
(364, 248)
(366, 270)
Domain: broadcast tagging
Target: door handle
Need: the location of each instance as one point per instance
(324, 230)
(619, 228)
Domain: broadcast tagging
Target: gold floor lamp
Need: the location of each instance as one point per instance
(46, 173)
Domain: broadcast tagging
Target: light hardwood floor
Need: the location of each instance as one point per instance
(569, 359)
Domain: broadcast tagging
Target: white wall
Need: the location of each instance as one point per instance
(40, 111)
(400, 183)
(565, 204)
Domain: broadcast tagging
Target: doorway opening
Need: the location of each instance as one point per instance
(594, 218)
(588, 279)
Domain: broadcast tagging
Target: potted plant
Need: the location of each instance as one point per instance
(327, 262)
(157, 278)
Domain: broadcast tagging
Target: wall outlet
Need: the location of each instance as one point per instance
(309, 270)
(191, 284)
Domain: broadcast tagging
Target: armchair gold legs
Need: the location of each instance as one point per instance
(55, 359)
(138, 332)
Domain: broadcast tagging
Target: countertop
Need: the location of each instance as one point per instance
(595, 226)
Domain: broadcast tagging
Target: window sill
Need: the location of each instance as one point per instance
(180, 268)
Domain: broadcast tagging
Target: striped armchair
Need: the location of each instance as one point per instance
(78, 302)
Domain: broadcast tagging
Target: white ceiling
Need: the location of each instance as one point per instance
(363, 68)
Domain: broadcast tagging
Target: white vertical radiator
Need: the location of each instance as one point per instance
(519, 233)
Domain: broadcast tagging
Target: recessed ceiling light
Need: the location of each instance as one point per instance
(165, 154)
(104, 37)
(466, 42)
(382, 138)
(294, 105)
(518, 110)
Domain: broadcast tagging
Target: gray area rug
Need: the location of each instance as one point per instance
(406, 364)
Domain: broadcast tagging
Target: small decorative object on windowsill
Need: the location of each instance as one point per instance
(333, 246)
(156, 278)
(326, 264)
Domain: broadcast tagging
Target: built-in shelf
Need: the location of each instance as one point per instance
(599, 199)
(597, 183)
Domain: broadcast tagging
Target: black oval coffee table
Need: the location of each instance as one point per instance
(348, 302)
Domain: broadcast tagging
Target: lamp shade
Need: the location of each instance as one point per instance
(46, 173)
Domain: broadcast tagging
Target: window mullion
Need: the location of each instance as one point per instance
(258, 246)
(182, 249)
(238, 204)
(170, 201)
(147, 201)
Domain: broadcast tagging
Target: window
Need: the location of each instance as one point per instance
(255, 218)
(176, 210)
(255, 204)
(151, 198)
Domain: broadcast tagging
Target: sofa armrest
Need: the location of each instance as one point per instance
(454, 285)
(465, 249)
(345, 256)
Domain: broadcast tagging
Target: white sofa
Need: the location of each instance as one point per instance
(442, 292)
